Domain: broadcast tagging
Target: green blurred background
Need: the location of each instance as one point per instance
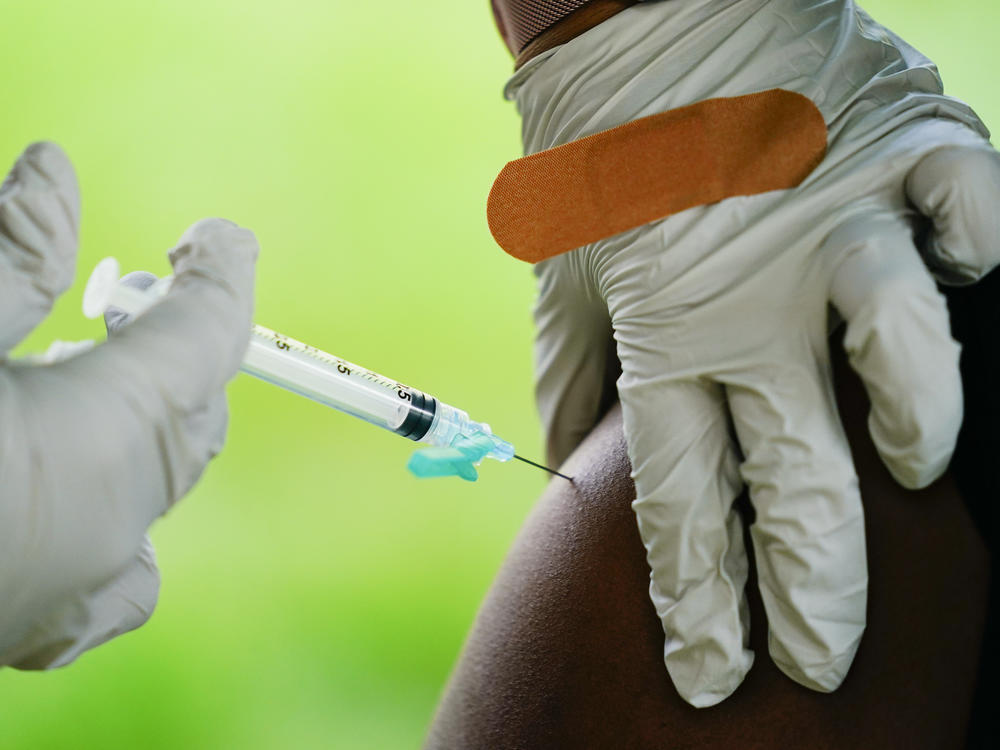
(314, 594)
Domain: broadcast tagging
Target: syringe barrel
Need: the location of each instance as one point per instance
(350, 388)
(335, 382)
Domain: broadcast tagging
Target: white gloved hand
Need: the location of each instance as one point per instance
(720, 315)
(97, 446)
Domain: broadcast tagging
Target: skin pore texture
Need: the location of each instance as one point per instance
(566, 651)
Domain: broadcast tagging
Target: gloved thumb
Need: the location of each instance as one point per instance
(116, 318)
(39, 220)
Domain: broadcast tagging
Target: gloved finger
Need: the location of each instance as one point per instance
(692, 534)
(206, 425)
(85, 620)
(192, 342)
(899, 341)
(958, 189)
(39, 216)
(114, 317)
(573, 344)
(809, 533)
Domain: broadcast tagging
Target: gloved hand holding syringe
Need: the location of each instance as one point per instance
(461, 443)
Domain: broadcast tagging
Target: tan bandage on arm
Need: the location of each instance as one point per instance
(572, 195)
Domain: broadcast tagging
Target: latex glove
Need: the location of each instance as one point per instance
(83, 620)
(97, 446)
(720, 316)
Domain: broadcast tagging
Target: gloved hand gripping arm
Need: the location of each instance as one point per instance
(96, 447)
(720, 316)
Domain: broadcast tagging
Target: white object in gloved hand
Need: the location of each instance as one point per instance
(97, 446)
(720, 315)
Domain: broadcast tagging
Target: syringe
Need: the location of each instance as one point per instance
(323, 377)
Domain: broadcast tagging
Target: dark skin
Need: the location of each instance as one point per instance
(566, 651)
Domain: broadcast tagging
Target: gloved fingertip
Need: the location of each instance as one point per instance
(825, 674)
(115, 318)
(823, 679)
(206, 226)
(918, 450)
(214, 232)
(44, 168)
(44, 165)
(956, 187)
(702, 684)
(49, 160)
(921, 472)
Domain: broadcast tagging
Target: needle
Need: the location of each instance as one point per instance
(546, 468)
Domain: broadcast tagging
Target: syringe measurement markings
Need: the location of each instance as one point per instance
(352, 370)
(343, 366)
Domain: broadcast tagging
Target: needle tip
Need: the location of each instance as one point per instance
(544, 468)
